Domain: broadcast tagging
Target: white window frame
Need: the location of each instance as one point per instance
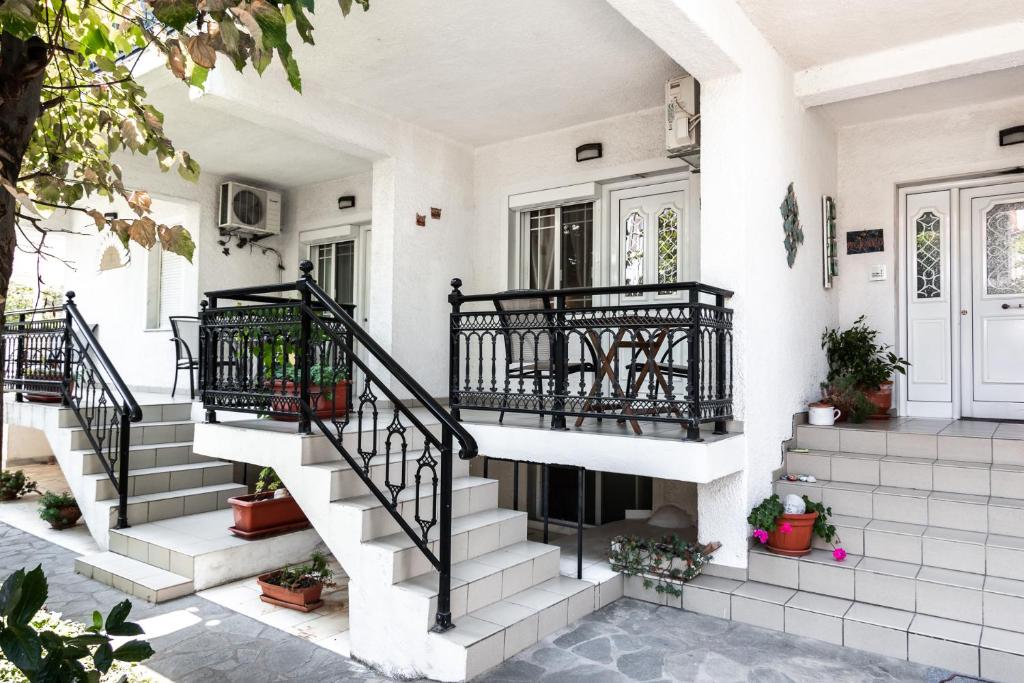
(155, 320)
(523, 220)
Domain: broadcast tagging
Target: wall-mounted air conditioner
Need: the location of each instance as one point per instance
(248, 209)
(682, 119)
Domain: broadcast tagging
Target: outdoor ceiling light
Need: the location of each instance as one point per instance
(1011, 136)
(591, 150)
(347, 202)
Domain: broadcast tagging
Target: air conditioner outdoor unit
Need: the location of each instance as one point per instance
(250, 210)
(682, 119)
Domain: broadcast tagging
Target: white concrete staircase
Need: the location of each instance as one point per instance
(933, 522)
(506, 590)
(177, 541)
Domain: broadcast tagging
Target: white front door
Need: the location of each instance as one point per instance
(652, 239)
(993, 311)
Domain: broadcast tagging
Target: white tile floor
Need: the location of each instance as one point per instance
(326, 626)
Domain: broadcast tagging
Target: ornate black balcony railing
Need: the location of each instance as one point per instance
(52, 355)
(279, 350)
(650, 353)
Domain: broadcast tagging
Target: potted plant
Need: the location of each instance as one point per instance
(858, 364)
(269, 510)
(59, 509)
(662, 564)
(328, 389)
(790, 534)
(14, 485)
(298, 587)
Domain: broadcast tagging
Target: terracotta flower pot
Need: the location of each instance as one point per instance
(69, 516)
(261, 514)
(881, 398)
(304, 600)
(47, 398)
(798, 541)
(336, 405)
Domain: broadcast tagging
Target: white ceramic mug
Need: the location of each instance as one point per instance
(822, 414)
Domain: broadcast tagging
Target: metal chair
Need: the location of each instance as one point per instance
(185, 337)
(529, 344)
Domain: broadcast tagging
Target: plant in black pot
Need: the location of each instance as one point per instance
(860, 371)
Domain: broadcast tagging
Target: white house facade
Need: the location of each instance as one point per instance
(550, 238)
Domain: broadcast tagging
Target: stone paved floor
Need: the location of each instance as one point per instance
(198, 641)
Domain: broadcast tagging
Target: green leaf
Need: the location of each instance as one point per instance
(19, 18)
(291, 67)
(95, 40)
(31, 598)
(118, 615)
(198, 77)
(10, 592)
(271, 22)
(21, 646)
(89, 639)
(103, 657)
(128, 628)
(97, 618)
(134, 651)
(174, 13)
(346, 7)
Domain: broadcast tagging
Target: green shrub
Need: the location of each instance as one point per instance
(14, 485)
(44, 649)
(50, 505)
(304, 575)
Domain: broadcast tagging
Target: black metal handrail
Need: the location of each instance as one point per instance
(280, 356)
(51, 354)
(647, 353)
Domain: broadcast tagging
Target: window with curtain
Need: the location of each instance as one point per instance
(559, 247)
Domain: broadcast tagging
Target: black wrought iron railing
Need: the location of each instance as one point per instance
(52, 355)
(642, 354)
(290, 351)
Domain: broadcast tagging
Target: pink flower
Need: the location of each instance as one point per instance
(761, 535)
(839, 554)
(785, 528)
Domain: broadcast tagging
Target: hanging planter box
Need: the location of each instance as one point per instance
(327, 403)
(263, 514)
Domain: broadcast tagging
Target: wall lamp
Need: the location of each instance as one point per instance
(1011, 136)
(591, 150)
(347, 202)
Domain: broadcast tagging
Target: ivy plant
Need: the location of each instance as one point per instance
(663, 564)
(766, 514)
(43, 654)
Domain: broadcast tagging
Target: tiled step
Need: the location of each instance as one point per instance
(473, 535)
(499, 631)
(346, 483)
(469, 495)
(153, 507)
(983, 442)
(964, 512)
(146, 455)
(166, 412)
(963, 596)
(133, 577)
(163, 479)
(358, 438)
(927, 474)
(970, 649)
(200, 548)
(143, 433)
(487, 579)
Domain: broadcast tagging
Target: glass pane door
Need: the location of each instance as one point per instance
(334, 269)
(559, 248)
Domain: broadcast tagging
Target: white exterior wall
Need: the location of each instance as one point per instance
(631, 143)
(876, 157)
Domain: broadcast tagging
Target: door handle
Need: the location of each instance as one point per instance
(1006, 306)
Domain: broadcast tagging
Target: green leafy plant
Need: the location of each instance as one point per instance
(663, 564)
(766, 515)
(855, 354)
(268, 481)
(851, 400)
(45, 654)
(15, 484)
(297, 577)
(51, 504)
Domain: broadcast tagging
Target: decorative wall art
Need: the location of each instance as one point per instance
(830, 249)
(791, 225)
(864, 241)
